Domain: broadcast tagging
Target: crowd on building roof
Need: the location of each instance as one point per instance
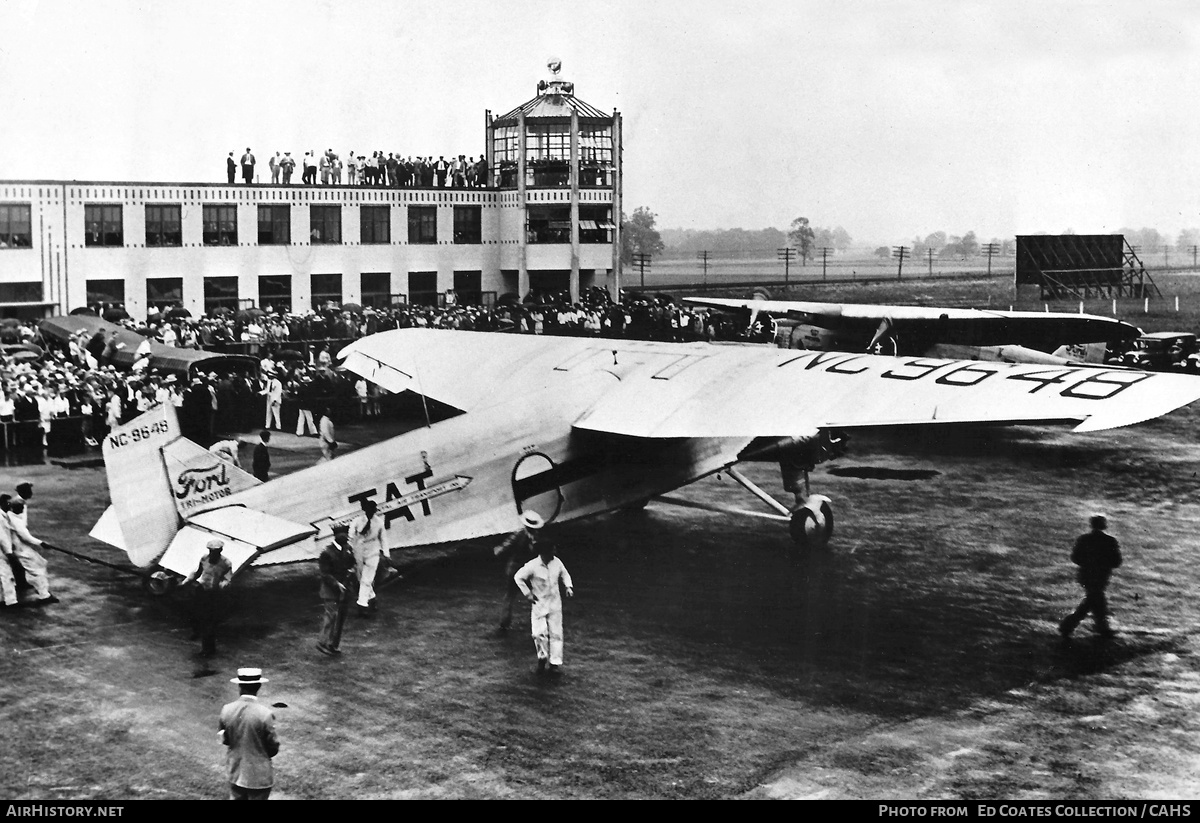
(390, 170)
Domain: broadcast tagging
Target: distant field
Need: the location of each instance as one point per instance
(963, 285)
(689, 269)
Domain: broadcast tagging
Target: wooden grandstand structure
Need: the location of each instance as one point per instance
(1082, 266)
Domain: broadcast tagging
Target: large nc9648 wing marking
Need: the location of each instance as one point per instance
(1079, 383)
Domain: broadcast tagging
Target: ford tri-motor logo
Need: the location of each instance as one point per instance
(202, 485)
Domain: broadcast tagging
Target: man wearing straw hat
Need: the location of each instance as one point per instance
(517, 549)
(543, 581)
(247, 728)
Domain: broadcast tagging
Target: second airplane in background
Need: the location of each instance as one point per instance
(1051, 338)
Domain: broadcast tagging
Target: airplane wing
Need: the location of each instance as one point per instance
(699, 390)
(461, 376)
(754, 391)
(981, 327)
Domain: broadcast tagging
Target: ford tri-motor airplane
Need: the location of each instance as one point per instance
(1049, 338)
(571, 427)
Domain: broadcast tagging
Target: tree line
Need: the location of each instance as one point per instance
(640, 235)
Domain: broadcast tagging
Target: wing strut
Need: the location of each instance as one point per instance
(749, 486)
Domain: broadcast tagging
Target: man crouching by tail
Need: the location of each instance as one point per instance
(540, 580)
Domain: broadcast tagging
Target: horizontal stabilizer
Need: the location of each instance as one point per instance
(247, 533)
(190, 545)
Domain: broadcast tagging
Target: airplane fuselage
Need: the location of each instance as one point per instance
(471, 475)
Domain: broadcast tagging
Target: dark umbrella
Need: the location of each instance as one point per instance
(177, 313)
(154, 317)
(509, 298)
(289, 354)
(352, 307)
(84, 310)
(221, 311)
(114, 314)
(247, 314)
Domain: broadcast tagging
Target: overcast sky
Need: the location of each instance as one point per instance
(892, 119)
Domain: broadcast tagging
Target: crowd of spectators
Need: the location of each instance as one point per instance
(380, 169)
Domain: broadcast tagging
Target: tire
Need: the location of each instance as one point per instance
(808, 535)
(827, 513)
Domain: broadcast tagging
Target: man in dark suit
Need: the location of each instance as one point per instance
(247, 167)
(262, 456)
(231, 168)
(1096, 554)
(336, 565)
(248, 728)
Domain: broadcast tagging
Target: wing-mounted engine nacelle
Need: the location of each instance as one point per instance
(802, 452)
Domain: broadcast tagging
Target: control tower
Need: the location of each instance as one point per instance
(556, 161)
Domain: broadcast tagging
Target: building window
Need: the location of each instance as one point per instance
(104, 293)
(325, 224)
(468, 224)
(422, 224)
(595, 156)
(163, 226)
(163, 292)
(376, 224)
(274, 225)
(548, 224)
(15, 226)
(596, 224)
(548, 155)
(468, 288)
(30, 292)
(275, 292)
(220, 225)
(326, 291)
(547, 141)
(103, 225)
(376, 289)
(422, 288)
(220, 292)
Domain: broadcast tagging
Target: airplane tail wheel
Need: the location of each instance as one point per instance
(159, 582)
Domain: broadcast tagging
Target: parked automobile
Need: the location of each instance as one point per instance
(1165, 350)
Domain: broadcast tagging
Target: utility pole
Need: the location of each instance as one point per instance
(929, 254)
(825, 250)
(1194, 248)
(787, 255)
(703, 256)
(990, 249)
(1166, 257)
(900, 252)
(642, 261)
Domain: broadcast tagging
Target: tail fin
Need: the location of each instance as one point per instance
(156, 477)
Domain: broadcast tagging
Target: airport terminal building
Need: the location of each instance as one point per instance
(546, 219)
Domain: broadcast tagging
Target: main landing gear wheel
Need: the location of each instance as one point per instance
(159, 582)
(811, 526)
